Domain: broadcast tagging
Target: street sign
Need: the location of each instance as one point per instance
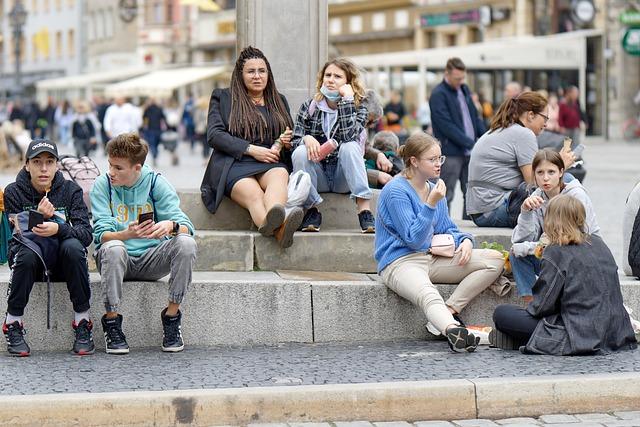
(631, 41)
(463, 17)
(630, 17)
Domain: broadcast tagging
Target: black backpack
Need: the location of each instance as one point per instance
(634, 247)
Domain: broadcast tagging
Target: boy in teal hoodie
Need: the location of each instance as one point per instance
(130, 247)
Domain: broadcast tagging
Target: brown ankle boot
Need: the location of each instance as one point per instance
(284, 233)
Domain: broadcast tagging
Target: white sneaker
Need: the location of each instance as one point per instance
(432, 329)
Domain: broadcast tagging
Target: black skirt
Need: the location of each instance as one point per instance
(246, 167)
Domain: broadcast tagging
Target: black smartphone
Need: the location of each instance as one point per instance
(145, 216)
(35, 218)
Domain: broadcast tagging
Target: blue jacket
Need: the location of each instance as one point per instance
(446, 119)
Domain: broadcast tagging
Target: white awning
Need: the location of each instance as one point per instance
(566, 51)
(89, 79)
(162, 83)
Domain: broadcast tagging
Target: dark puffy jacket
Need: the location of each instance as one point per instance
(66, 197)
(634, 247)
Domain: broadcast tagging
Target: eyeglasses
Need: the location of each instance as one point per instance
(439, 160)
(546, 118)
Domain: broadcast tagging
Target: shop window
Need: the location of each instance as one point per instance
(355, 24)
(335, 26)
(402, 18)
(452, 39)
(378, 21)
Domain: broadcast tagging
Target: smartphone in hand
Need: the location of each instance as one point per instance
(145, 216)
(35, 218)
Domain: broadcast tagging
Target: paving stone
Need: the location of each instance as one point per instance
(475, 423)
(624, 423)
(522, 425)
(392, 424)
(576, 424)
(309, 425)
(268, 425)
(519, 420)
(353, 424)
(433, 424)
(558, 419)
(627, 415)
(596, 418)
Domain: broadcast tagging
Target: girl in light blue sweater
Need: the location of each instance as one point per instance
(410, 212)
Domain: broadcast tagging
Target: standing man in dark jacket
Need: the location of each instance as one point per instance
(456, 124)
(39, 186)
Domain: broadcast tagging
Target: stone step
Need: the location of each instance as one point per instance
(253, 308)
(338, 212)
(333, 250)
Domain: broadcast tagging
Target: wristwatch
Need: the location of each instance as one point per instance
(176, 229)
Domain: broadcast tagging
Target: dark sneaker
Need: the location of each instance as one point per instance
(312, 220)
(274, 219)
(498, 339)
(461, 340)
(114, 340)
(284, 234)
(83, 344)
(367, 221)
(16, 345)
(171, 332)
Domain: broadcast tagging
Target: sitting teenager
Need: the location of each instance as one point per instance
(501, 159)
(631, 234)
(249, 130)
(411, 211)
(327, 137)
(59, 242)
(548, 169)
(130, 249)
(577, 303)
(385, 143)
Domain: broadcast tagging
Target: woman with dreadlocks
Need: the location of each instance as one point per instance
(249, 127)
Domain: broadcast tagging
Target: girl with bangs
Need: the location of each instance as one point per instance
(577, 304)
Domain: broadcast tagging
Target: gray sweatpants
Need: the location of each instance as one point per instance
(176, 256)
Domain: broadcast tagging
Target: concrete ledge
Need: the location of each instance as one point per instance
(410, 401)
(359, 311)
(531, 397)
(344, 402)
(349, 251)
(338, 212)
(241, 312)
(225, 251)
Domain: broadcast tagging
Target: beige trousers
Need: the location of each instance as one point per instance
(412, 277)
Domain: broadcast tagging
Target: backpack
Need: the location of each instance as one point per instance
(634, 247)
(81, 170)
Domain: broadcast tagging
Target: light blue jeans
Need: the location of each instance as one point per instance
(525, 272)
(499, 217)
(347, 174)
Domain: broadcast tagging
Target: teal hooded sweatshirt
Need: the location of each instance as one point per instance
(126, 203)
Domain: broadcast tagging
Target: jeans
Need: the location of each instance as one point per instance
(456, 167)
(499, 217)
(175, 256)
(347, 174)
(153, 139)
(26, 268)
(515, 321)
(525, 271)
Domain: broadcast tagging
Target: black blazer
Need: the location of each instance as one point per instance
(227, 148)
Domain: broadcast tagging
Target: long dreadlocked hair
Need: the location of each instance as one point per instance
(245, 120)
(512, 108)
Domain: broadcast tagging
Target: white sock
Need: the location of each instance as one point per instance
(79, 316)
(11, 318)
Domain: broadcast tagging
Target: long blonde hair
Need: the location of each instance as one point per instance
(351, 73)
(564, 221)
(415, 145)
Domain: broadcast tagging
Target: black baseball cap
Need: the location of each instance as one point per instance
(39, 146)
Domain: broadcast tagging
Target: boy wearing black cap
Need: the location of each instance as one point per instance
(61, 239)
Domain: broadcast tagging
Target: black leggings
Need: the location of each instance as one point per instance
(515, 321)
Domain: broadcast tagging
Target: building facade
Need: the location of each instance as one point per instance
(51, 44)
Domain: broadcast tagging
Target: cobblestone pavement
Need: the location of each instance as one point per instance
(615, 419)
(286, 364)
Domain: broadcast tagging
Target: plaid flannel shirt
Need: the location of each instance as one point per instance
(348, 127)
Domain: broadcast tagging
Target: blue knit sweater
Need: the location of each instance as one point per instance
(404, 224)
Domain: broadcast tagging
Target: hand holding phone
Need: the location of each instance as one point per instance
(35, 218)
(145, 216)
